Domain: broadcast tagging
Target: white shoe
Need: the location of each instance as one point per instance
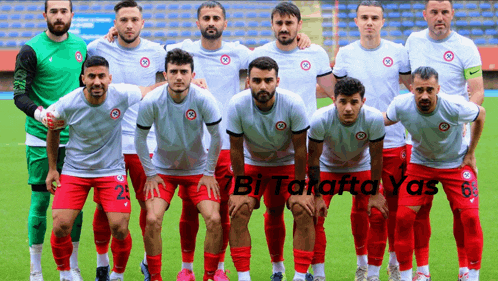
(373, 278)
(463, 277)
(361, 273)
(117, 279)
(394, 273)
(319, 278)
(76, 274)
(419, 276)
(36, 276)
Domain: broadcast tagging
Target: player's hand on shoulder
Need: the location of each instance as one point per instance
(211, 186)
(49, 118)
(113, 32)
(303, 41)
(201, 82)
(52, 176)
(379, 202)
(152, 184)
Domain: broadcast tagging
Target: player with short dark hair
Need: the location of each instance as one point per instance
(38, 83)
(440, 154)
(178, 111)
(267, 127)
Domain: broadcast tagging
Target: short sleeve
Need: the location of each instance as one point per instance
(146, 114)
(209, 110)
(245, 55)
(467, 112)
(317, 127)
(161, 59)
(404, 62)
(234, 124)
(391, 111)
(377, 128)
(339, 69)
(92, 48)
(131, 92)
(299, 116)
(323, 63)
(472, 56)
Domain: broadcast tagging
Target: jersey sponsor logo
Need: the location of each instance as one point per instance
(78, 56)
(225, 59)
(361, 136)
(449, 56)
(388, 61)
(120, 178)
(191, 114)
(306, 65)
(115, 113)
(281, 125)
(443, 126)
(466, 175)
(145, 62)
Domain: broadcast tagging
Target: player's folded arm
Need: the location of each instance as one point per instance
(24, 75)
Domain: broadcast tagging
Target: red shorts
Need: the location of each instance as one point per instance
(459, 184)
(111, 192)
(332, 186)
(409, 148)
(189, 183)
(223, 174)
(137, 175)
(276, 194)
(393, 167)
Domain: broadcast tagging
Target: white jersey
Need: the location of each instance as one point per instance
(267, 135)
(450, 57)
(220, 68)
(179, 129)
(94, 146)
(298, 69)
(437, 137)
(378, 70)
(137, 66)
(346, 148)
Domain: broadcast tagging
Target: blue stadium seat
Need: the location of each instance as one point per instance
(251, 15)
(110, 8)
(352, 6)
(342, 33)
(383, 33)
(493, 41)
(186, 33)
(354, 33)
(477, 32)
(491, 32)
(170, 41)
(186, 15)
(265, 23)
(240, 24)
(327, 15)
(342, 24)
(391, 6)
(188, 7)
(13, 34)
(408, 23)
(461, 23)
(352, 15)
(160, 16)
(395, 33)
(227, 33)
(341, 7)
(38, 25)
(464, 32)
(160, 24)
(251, 42)
(266, 33)
(161, 7)
(252, 24)
(460, 14)
(172, 16)
(497, 13)
(148, 24)
(3, 17)
(32, 8)
(29, 17)
(399, 41)
(327, 24)
(82, 8)
(29, 25)
(252, 33)
(11, 44)
(407, 32)
(197, 33)
(40, 17)
(2, 34)
(327, 33)
(487, 14)
(352, 24)
(15, 16)
(230, 24)
(19, 8)
(265, 15)
(407, 15)
(418, 6)
(159, 34)
(471, 6)
(1, 44)
(187, 24)
(419, 15)
(496, 6)
(327, 7)
(394, 23)
(485, 6)
(146, 7)
(148, 16)
(196, 6)
(328, 42)
(16, 24)
(173, 7)
(263, 41)
(457, 6)
(393, 15)
(174, 24)
(405, 6)
(96, 7)
(421, 23)
(475, 23)
(228, 15)
(6, 7)
(172, 33)
(146, 33)
(474, 14)
(343, 42)
(342, 15)
(238, 15)
(240, 33)
(480, 41)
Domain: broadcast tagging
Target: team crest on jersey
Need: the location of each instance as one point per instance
(388, 61)
(443, 126)
(449, 56)
(145, 62)
(281, 125)
(306, 65)
(120, 178)
(115, 113)
(191, 114)
(361, 136)
(403, 154)
(466, 175)
(225, 59)
(78, 56)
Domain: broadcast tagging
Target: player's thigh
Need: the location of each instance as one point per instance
(193, 193)
(137, 174)
(37, 163)
(279, 186)
(419, 186)
(224, 174)
(113, 193)
(166, 191)
(210, 211)
(393, 166)
(72, 193)
(461, 188)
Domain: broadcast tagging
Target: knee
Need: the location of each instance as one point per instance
(213, 221)
(470, 218)
(300, 214)
(241, 218)
(153, 222)
(61, 226)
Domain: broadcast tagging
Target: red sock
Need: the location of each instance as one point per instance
(210, 265)
(241, 257)
(154, 264)
(392, 202)
(403, 237)
(143, 220)
(275, 236)
(62, 248)
(377, 236)
(120, 253)
(302, 260)
(225, 224)
(359, 225)
(320, 242)
(473, 237)
(189, 225)
(422, 234)
(101, 231)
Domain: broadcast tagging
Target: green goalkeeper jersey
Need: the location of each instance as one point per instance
(45, 71)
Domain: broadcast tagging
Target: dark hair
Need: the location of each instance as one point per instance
(370, 3)
(425, 73)
(286, 8)
(178, 56)
(127, 4)
(427, 1)
(70, 5)
(211, 4)
(263, 63)
(95, 61)
(349, 86)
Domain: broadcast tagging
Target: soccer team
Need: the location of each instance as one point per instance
(268, 140)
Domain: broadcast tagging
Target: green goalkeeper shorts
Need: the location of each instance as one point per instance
(37, 161)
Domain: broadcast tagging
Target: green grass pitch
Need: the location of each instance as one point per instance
(340, 258)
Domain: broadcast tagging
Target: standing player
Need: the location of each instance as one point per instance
(300, 71)
(343, 131)
(136, 61)
(94, 159)
(178, 111)
(440, 154)
(457, 60)
(379, 64)
(38, 83)
(267, 127)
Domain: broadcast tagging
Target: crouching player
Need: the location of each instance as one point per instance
(93, 159)
(178, 111)
(439, 154)
(345, 153)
